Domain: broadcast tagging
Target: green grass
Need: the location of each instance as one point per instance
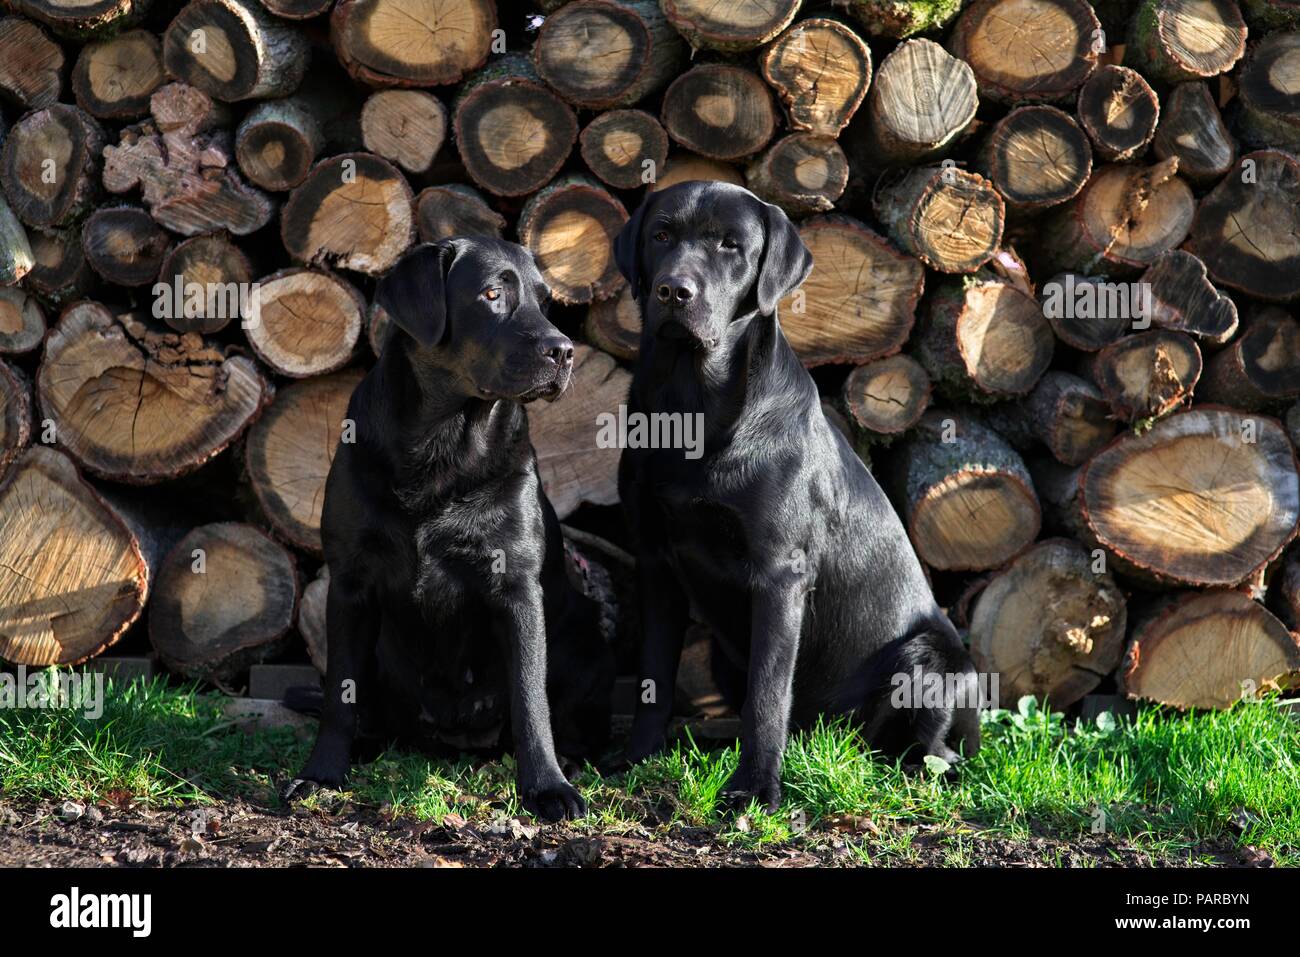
(1164, 782)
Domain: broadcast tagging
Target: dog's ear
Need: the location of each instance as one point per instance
(786, 260)
(627, 249)
(413, 292)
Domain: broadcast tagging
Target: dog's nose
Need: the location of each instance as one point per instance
(676, 290)
(558, 349)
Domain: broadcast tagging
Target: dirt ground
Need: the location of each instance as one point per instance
(238, 834)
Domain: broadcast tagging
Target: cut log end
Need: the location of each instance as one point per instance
(1147, 375)
(614, 325)
(114, 78)
(419, 43)
(949, 219)
(405, 126)
(308, 322)
(625, 148)
(720, 111)
(801, 173)
(887, 396)
(223, 600)
(206, 276)
(1178, 41)
(1192, 129)
(732, 28)
(1120, 111)
(445, 211)
(15, 415)
(1037, 157)
(233, 50)
(124, 245)
(22, 321)
(821, 70)
(570, 227)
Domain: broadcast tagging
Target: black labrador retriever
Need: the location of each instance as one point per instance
(451, 622)
(777, 536)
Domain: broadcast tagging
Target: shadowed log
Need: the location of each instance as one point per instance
(1260, 371)
(1269, 94)
(417, 43)
(1146, 375)
(219, 270)
(1036, 157)
(454, 210)
(15, 415)
(233, 50)
(617, 146)
(22, 321)
(614, 325)
(570, 227)
(59, 273)
(124, 245)
(277, 142)
(31, 64)
(50, 165)
(1192, 129)
(720, 111)
(1183, 299)
(114, 78)
(1177, 41)
(1120, 112)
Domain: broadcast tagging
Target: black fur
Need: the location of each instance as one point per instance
(450, 617)
(777, 537)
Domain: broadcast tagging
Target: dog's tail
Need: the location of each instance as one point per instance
(304, 699)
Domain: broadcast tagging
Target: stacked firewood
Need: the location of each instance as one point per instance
(1057, 261)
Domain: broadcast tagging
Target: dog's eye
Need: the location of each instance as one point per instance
(729, 243)
(661, 236)
(491, 294)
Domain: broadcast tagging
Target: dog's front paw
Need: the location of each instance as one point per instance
(553, 802)
(298, 789)
(745, 786)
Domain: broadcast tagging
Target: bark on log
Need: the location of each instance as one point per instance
(289, 451)
(1260, 371)
(1086, 312)
(1183, 299)
(31, 64)
(17, 259)
(1178, 41)
(83, 18)
(1209, 651)
(1048, 625)
(75, 595)
(733, 27)
(353, 211)
(1272, 14)
(224, 599)
(801, 173)
(719, 111)
(1269, 94)
(512, 132)
(922, 101)
(277, 142)
(1036, 157)
(573, 466)
(1192, 129)
(233, 50)
(967, 498)
(600, 54)
(454, 210)
(180, 160)
(59, 273)
(136, 405)
(407, 127)
(886, 397)
(949, 219)
(297, 9)
(124, 245)
(898, 19)
(310, 322)
(1147, 375)
(821, 70)
(859, 302)
(379, 45)
(1247, 231)
(1027, 51)
(114, 78)
(22, 322)
(15, 415)
(614, 325)
(220, 271)
(1124, 219)
(1208, 496)
(1057, 486)
(617, 145)
(570, 227)
(984, 339)
(1120, 111)
(50, 165)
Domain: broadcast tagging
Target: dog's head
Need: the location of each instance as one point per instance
(476, 310)
(700, 254)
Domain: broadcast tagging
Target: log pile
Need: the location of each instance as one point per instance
(1054, 300)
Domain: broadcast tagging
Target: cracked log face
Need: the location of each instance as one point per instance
(195, 627)
(1209, 651)
(1247, 231)
(821, 70)
(309, 322)
(289, 451)
(353, 211)
(72, 577)
(859, 302)
(136, 405)
(886, 397)
(412, 43)
(1206, 497)
(1148, 374)
(731, 27)
(1037, 156)
(1049, 626)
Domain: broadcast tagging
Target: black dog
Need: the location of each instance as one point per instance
(450, 617)
(777, 536)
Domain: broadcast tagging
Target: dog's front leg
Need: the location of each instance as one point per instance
(777, 618)
(541, 784)
(665, 613)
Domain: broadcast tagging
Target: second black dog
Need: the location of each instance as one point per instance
(774, 533)
(450, 620)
